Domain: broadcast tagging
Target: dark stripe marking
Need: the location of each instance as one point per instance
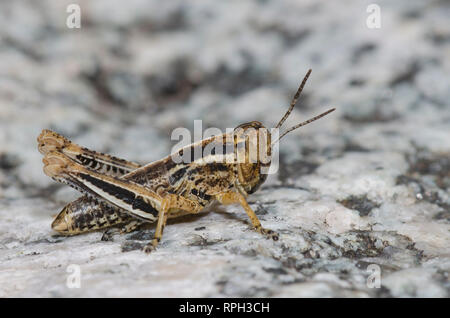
(176, 176)
(201, 194)
(121, 194)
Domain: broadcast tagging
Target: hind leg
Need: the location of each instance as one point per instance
(49, 141)
(133, 198)
(85, 214)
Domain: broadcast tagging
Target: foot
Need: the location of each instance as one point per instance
(269, 234)
(107, 235)
(149, 248)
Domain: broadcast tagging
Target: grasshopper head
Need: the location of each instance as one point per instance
(254, 147)
(253, 151)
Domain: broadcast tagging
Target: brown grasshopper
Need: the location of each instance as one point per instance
(117, 191)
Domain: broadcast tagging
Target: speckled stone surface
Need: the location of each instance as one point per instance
(366, 185)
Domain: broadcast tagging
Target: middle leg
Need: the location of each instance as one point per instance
(171, 202)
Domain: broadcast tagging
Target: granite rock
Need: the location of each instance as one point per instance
(359, 195)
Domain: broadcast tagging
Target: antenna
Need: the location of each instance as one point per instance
(306, 122)
(294, 100)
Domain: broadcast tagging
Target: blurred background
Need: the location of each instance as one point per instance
(135, 70)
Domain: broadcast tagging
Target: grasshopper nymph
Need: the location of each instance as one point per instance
(120, 192)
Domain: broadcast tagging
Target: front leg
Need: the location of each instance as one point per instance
(235, 197)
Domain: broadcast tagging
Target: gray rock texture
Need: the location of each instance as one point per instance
(362, 192)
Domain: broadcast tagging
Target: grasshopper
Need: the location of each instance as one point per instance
(119, 192)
